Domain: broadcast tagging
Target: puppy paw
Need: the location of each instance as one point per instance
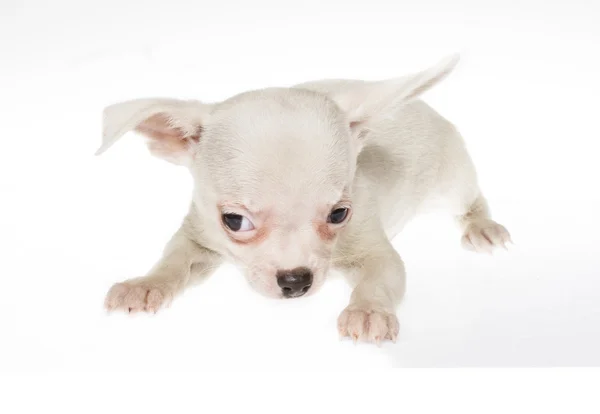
(368, 325)
(139, 295)
(485, 236)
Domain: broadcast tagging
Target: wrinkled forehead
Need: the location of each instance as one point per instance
(278, 145)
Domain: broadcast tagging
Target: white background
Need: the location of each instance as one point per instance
(525, 96)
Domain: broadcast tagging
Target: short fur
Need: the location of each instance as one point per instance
(284, 158)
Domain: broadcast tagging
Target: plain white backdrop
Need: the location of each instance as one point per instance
(525, 97)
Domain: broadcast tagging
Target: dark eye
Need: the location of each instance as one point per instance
(236, 222)
(338, 215)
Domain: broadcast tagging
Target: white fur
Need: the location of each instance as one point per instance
(283, 158)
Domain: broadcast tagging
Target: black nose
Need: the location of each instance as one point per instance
(295, 282)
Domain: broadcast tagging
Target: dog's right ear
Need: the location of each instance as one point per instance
(173, 127)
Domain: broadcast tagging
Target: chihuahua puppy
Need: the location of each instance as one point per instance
(292, 182)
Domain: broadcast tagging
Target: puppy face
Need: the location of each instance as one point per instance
(273, 169)
(277, 166)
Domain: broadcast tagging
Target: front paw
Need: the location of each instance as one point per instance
(138, 295)
(367, 324)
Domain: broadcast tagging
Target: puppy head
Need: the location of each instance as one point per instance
(273, 169)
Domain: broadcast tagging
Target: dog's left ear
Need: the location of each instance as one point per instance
(173, 127)
(370, 100)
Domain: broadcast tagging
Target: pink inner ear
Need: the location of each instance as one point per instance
(355, 124)
(166, 140)
(158, 127)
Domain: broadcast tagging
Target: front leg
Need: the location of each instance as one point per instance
(183, 262)
(377, 273)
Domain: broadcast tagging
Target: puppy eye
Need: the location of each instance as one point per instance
(337, 215)
(236, 222)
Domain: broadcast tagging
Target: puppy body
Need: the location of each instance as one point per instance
(285, 159)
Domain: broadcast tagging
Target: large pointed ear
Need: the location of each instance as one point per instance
(173, 127)
(365, 102)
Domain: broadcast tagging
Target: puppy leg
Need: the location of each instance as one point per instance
(183, 262)
(480, 233)
(459, 186)
(378, 276)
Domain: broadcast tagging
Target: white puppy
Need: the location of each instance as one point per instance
(290, 182)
